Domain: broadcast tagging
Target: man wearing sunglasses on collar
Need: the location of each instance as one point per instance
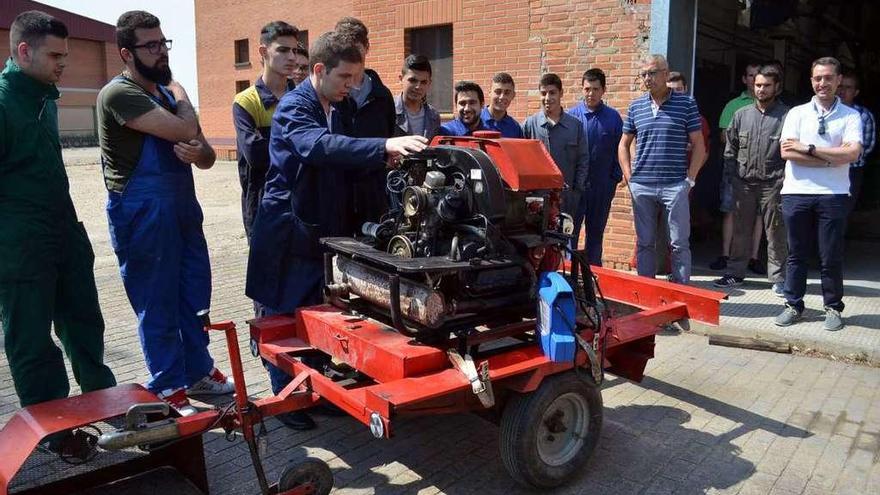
(819, 141)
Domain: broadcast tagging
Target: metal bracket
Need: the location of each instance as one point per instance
(480, 383)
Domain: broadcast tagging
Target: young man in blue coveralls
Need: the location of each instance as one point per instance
(308, 187)
(604, 128)
(281, 56)
(150, 137)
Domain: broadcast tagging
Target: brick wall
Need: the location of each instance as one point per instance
(523, 37)
(218, 24)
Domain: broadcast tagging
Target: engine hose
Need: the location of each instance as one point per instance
(475, 231)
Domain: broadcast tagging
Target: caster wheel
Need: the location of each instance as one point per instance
(312, 477)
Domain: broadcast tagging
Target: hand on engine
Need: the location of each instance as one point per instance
(404, 145)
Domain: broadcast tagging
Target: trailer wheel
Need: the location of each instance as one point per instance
(548, 434)
(312, 475)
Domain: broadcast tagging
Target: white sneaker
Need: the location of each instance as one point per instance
(216, 383)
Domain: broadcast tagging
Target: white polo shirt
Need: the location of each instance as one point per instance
(842, 125)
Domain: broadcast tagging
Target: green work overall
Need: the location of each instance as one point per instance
(46, 259)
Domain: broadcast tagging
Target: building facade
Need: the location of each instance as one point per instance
(466, 39)
(92, 61)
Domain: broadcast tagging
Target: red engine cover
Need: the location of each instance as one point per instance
(524, 164)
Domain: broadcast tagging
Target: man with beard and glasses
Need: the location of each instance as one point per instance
(468, 104)
(150, 138)
(754, 166)
(46, 261)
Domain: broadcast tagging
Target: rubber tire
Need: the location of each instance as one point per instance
(519, 432)
(314, 470)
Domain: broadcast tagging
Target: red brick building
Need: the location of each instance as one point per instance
(93, 60)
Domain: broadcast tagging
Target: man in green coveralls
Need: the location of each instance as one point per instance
(46, 260)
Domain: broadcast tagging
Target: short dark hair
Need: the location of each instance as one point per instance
(128, 22)
(594, 75)
(331, 48)
(416, 62)
(770, 71)
(275, 30)
(757, 65)
(675, 76)
(851, 74)
(833, 62)
(300, 50)
(503, 78)
(355, 29)
(463, 86)
(32, 27)
(550, 79)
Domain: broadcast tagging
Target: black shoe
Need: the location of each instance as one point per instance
(757, 267)
(720, 263)
(728, 281)
(297, 420)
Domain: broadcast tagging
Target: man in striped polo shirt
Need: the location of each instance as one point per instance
(662, 122)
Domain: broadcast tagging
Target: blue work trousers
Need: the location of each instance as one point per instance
(594, 208)
(156, 231)
(672, 200)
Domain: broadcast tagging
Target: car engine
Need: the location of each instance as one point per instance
(473, 222)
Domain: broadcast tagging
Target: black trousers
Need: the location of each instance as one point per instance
(821, 217)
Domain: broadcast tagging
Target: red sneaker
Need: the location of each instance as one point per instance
(176, 398)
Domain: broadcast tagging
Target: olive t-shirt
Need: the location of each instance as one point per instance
(118, 102)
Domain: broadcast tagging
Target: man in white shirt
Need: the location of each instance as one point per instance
(819, 141)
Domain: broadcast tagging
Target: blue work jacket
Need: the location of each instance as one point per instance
(456, 127)
(604, 129)
(308, 190)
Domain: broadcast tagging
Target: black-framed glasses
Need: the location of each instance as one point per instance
(155, 47)
(822, 128)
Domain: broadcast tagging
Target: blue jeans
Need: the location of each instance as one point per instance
(648, 199)
(822, 217)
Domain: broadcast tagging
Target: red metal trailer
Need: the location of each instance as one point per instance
(549, 413)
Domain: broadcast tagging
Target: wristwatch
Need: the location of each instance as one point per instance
(811, 149)
(690, 181)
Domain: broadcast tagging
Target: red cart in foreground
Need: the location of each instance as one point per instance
(434, 314)
(549, 414)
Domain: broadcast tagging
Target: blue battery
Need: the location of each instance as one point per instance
(556, 317)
